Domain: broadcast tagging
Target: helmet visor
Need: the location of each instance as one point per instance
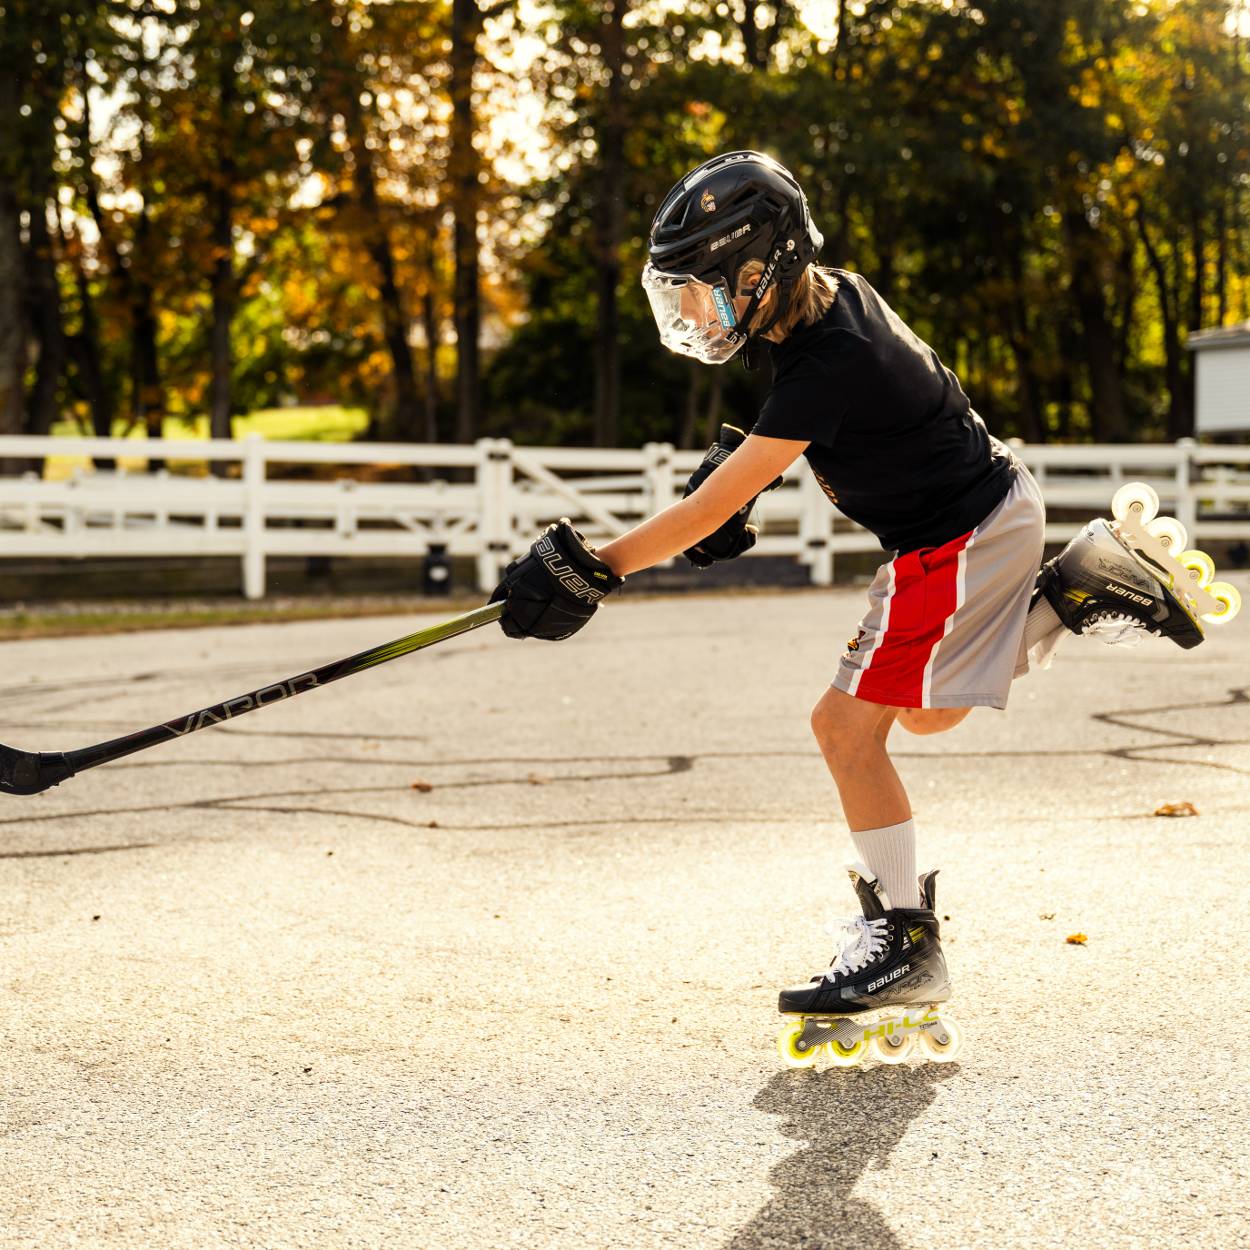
(695, 318)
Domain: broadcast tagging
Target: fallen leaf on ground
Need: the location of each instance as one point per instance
(424, 786)
(1046, 915)
(1076, 939)
(1177, 809)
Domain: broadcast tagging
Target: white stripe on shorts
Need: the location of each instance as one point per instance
(961, 590)
(853, 685)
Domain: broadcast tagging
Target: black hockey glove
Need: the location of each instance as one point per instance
(734, 536)
(554, 589)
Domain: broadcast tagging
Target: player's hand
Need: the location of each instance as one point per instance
(735, 536)
(554, 589)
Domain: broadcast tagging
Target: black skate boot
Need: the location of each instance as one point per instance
(880, 994)
(1122, 579)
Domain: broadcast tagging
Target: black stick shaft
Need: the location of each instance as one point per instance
(29, 772)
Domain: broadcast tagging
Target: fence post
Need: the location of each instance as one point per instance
(1186, 497)
(658, 476)
(815, 530)
(254, 517)
(494, 484)
(657, 484)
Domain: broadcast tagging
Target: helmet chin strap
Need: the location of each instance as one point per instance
(783, 286)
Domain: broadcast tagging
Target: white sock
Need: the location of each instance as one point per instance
(1043, 632)
(891, 854)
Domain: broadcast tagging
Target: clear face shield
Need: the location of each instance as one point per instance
(695, 318)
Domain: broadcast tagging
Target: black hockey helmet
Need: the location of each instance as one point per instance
(737, 207)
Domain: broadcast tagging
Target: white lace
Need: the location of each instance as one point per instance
(1115, 629)
(864, 940)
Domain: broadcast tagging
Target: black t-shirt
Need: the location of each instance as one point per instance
(894, 441)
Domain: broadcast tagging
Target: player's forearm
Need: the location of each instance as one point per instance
(661, 537)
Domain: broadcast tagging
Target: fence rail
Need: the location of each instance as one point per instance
(497, 495)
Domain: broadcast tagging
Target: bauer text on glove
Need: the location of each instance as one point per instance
(734, 536)
(554, 589)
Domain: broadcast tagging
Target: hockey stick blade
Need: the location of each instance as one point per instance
(30, 772)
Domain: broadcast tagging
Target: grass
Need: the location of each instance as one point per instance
(329, 423)
(82, 620)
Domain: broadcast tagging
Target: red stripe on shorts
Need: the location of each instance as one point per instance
(926, 594)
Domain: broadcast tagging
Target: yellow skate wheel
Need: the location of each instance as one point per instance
(845, 1056)
(941, 1042)
(1170, 532)
(1199, 566)
(787, 1047)
(894, 1049)
(1230, 603)
(1135, 501)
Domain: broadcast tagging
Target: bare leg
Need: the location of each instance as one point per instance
(852, 735)
(931, 720)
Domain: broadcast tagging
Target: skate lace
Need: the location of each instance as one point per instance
(1115, 629)
(864, 940)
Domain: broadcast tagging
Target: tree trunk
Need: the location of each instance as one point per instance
(690, 419)
(1196, 290)
(1085, 257)
(394, 317)
(224, 295)
(88, 359)
(1180, 403)
(44, 305)
(751, 35)
(609, 229)
(465, 170)
(429, 323)
(224, 285)
(407, 412)
(716, 391)
(147, 396)
(12, 327)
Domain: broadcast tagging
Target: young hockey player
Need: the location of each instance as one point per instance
(894, 442)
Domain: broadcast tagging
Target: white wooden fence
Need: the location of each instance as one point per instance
(501, 497)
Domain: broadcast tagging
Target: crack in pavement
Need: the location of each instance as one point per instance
(80, 850)
(671, 765)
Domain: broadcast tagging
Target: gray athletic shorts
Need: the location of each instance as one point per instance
(945, 625)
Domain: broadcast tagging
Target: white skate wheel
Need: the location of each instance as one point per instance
(1230, 603)
(791, 1056)
(894, 1049)
(1199, 566)
(1170, 532)
(1135, 501)
(942, 1041)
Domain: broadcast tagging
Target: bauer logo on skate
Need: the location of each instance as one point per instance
(573, 582)
(889, 976)
(244, 703)
(1128, 594)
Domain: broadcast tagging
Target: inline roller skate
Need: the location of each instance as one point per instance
(1131, 575)
(880, 996)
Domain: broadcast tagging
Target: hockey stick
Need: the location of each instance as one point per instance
(29, 772)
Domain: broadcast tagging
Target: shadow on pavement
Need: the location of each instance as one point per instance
(849, 1120)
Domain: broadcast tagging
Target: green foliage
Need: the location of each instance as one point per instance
(1052, 191)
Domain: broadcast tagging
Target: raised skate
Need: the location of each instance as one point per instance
(1117, 579)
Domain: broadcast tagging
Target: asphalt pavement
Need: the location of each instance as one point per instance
(481, 947)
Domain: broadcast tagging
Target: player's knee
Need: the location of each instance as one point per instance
(931, 720)
(839, 724)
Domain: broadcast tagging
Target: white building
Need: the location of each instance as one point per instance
(1222, 382)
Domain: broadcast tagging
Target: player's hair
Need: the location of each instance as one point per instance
(814, 292)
